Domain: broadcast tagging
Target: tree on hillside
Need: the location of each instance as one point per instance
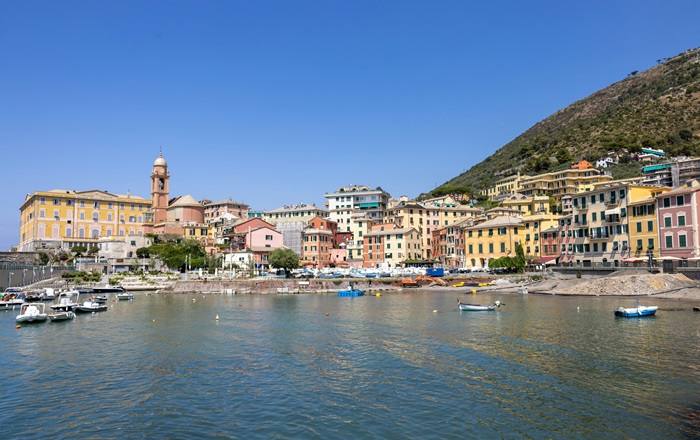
(284, 259)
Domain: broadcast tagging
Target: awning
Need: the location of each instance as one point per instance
(667, 258)
(633, 260)
(547, 261)
(615, 211)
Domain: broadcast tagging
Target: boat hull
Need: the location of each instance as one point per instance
(107, 289)
(636, 312)
(83, 309)
(476, 308)
(351, 293)
(30, 319)
(62, 316)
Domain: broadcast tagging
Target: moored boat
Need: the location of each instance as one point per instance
(636, 312)
(478, 307)
(49, 294)
(91, 306)
(107, 289)
(61, 316)
(124, 296)
(32, 312)
(101, 299)
(351, 293)
(66, 301)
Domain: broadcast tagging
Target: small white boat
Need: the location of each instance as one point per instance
(523, 290)
(124, 296)
(32, 312)
(49, 294)
(478, 307)
(61, 316)
(90, 306)
(66, 301)
(636, 312)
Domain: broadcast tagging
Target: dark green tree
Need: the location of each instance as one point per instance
(284, 259)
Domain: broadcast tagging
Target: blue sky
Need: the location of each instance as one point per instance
(274, 102)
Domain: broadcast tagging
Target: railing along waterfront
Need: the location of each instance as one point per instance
(18, 275)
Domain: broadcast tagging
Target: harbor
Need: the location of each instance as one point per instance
(405, 365)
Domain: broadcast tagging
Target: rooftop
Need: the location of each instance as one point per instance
(504, 220)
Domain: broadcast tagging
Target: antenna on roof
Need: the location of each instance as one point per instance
(161, 151)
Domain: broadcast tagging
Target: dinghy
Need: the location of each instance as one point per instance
(636, 312)
(66, 301)
(61, 316)
(351, 293)
(32, 312)
(124, 296)
(91, 307)
(478, 307)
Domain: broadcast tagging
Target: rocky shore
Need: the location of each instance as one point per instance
(621, 284)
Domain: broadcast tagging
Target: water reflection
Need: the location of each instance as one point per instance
(322, 366)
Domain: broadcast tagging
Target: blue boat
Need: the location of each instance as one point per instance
(636, 312)
(435, 272)
(351, 293)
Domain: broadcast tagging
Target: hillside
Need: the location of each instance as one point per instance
(658, 108)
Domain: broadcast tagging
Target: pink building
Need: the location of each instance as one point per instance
(264, 238)
(677, 213)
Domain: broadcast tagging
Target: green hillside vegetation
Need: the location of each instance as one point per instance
(657, 108)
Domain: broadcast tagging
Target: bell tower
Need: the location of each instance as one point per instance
(160, 189)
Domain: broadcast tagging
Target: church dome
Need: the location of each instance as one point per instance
(160, 161)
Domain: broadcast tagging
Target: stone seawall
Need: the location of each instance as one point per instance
(278, 286)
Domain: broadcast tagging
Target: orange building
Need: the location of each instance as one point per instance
(318, 242)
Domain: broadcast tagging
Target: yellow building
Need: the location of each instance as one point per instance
(64, 218)
(603, 227)
(643, 227)
(505, 186)
(492, 239)
(527, 205)
(497, 237)
(427, 217)
(559, 183)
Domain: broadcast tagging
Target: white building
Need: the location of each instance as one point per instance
(355, 208)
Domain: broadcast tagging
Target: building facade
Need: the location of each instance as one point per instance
(62, 219)
(291, 220)
(677, 217)
(387, 246)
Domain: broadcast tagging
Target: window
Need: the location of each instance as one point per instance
(667, 222)
(481, 248)
(639, 244)
(650, 243)
(503, 247)
(679, 200)
(268, 237)
(667, 202)
(669, 241)
(639, 226)
(593, 216)
(682, 241)
(471, 249)
(650, 225)
(681, 220)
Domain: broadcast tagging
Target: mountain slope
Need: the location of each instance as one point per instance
(658, 108)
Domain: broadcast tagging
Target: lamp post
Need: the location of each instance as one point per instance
(24, 274)
(9, 282)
